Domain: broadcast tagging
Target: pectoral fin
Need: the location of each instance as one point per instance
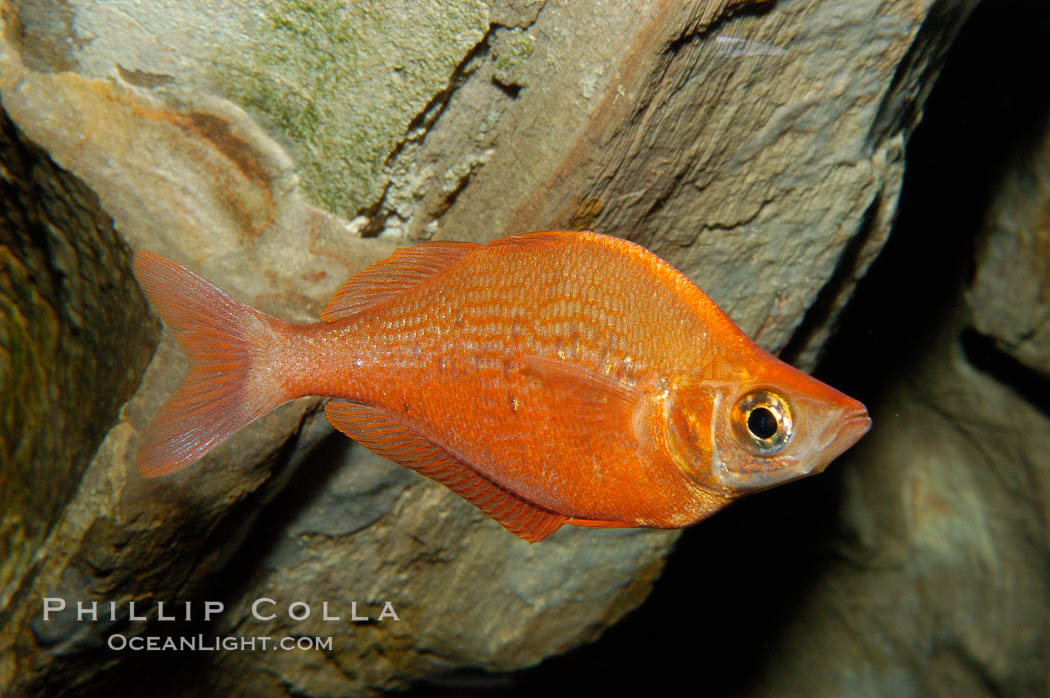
(590, 404)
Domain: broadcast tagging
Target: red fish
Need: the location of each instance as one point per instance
(547, 378)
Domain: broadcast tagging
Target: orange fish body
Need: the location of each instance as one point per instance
(547, 378)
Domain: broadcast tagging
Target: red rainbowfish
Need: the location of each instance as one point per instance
(547, 378)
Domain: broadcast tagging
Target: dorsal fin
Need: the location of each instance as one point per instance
(385, 434)
(543, 237)
(391, 276)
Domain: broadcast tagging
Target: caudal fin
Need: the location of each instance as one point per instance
(221, 337)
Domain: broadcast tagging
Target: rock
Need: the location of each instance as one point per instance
(937, 585)
(277, 149)
(454, 586)
(67, 305)
(1010, 295)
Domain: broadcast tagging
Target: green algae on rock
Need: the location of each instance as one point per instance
(343, 81)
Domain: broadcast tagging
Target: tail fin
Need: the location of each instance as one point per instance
(221, 336)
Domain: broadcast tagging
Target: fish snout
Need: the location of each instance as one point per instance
(852, 423)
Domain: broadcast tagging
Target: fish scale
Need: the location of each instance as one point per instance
(549, 327)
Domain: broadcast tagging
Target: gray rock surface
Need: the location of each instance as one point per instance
(1010, 295)
(275, 150)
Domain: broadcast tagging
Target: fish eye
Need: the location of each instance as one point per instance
(761, 421)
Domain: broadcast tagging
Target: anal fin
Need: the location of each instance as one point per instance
(384, 434)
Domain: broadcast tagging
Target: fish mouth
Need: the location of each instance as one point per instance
(845, 432)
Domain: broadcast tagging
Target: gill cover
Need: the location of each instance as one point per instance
(726, 440)
(732, 438)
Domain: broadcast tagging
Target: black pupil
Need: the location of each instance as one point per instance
(762, 423)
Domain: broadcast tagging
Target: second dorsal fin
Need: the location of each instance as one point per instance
(389, 277)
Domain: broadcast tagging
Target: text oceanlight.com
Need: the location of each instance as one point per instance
(215, 643)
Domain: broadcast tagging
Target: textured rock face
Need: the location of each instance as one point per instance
(939, 582)
(453, 584)
(278, 148)
(1010, 296)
